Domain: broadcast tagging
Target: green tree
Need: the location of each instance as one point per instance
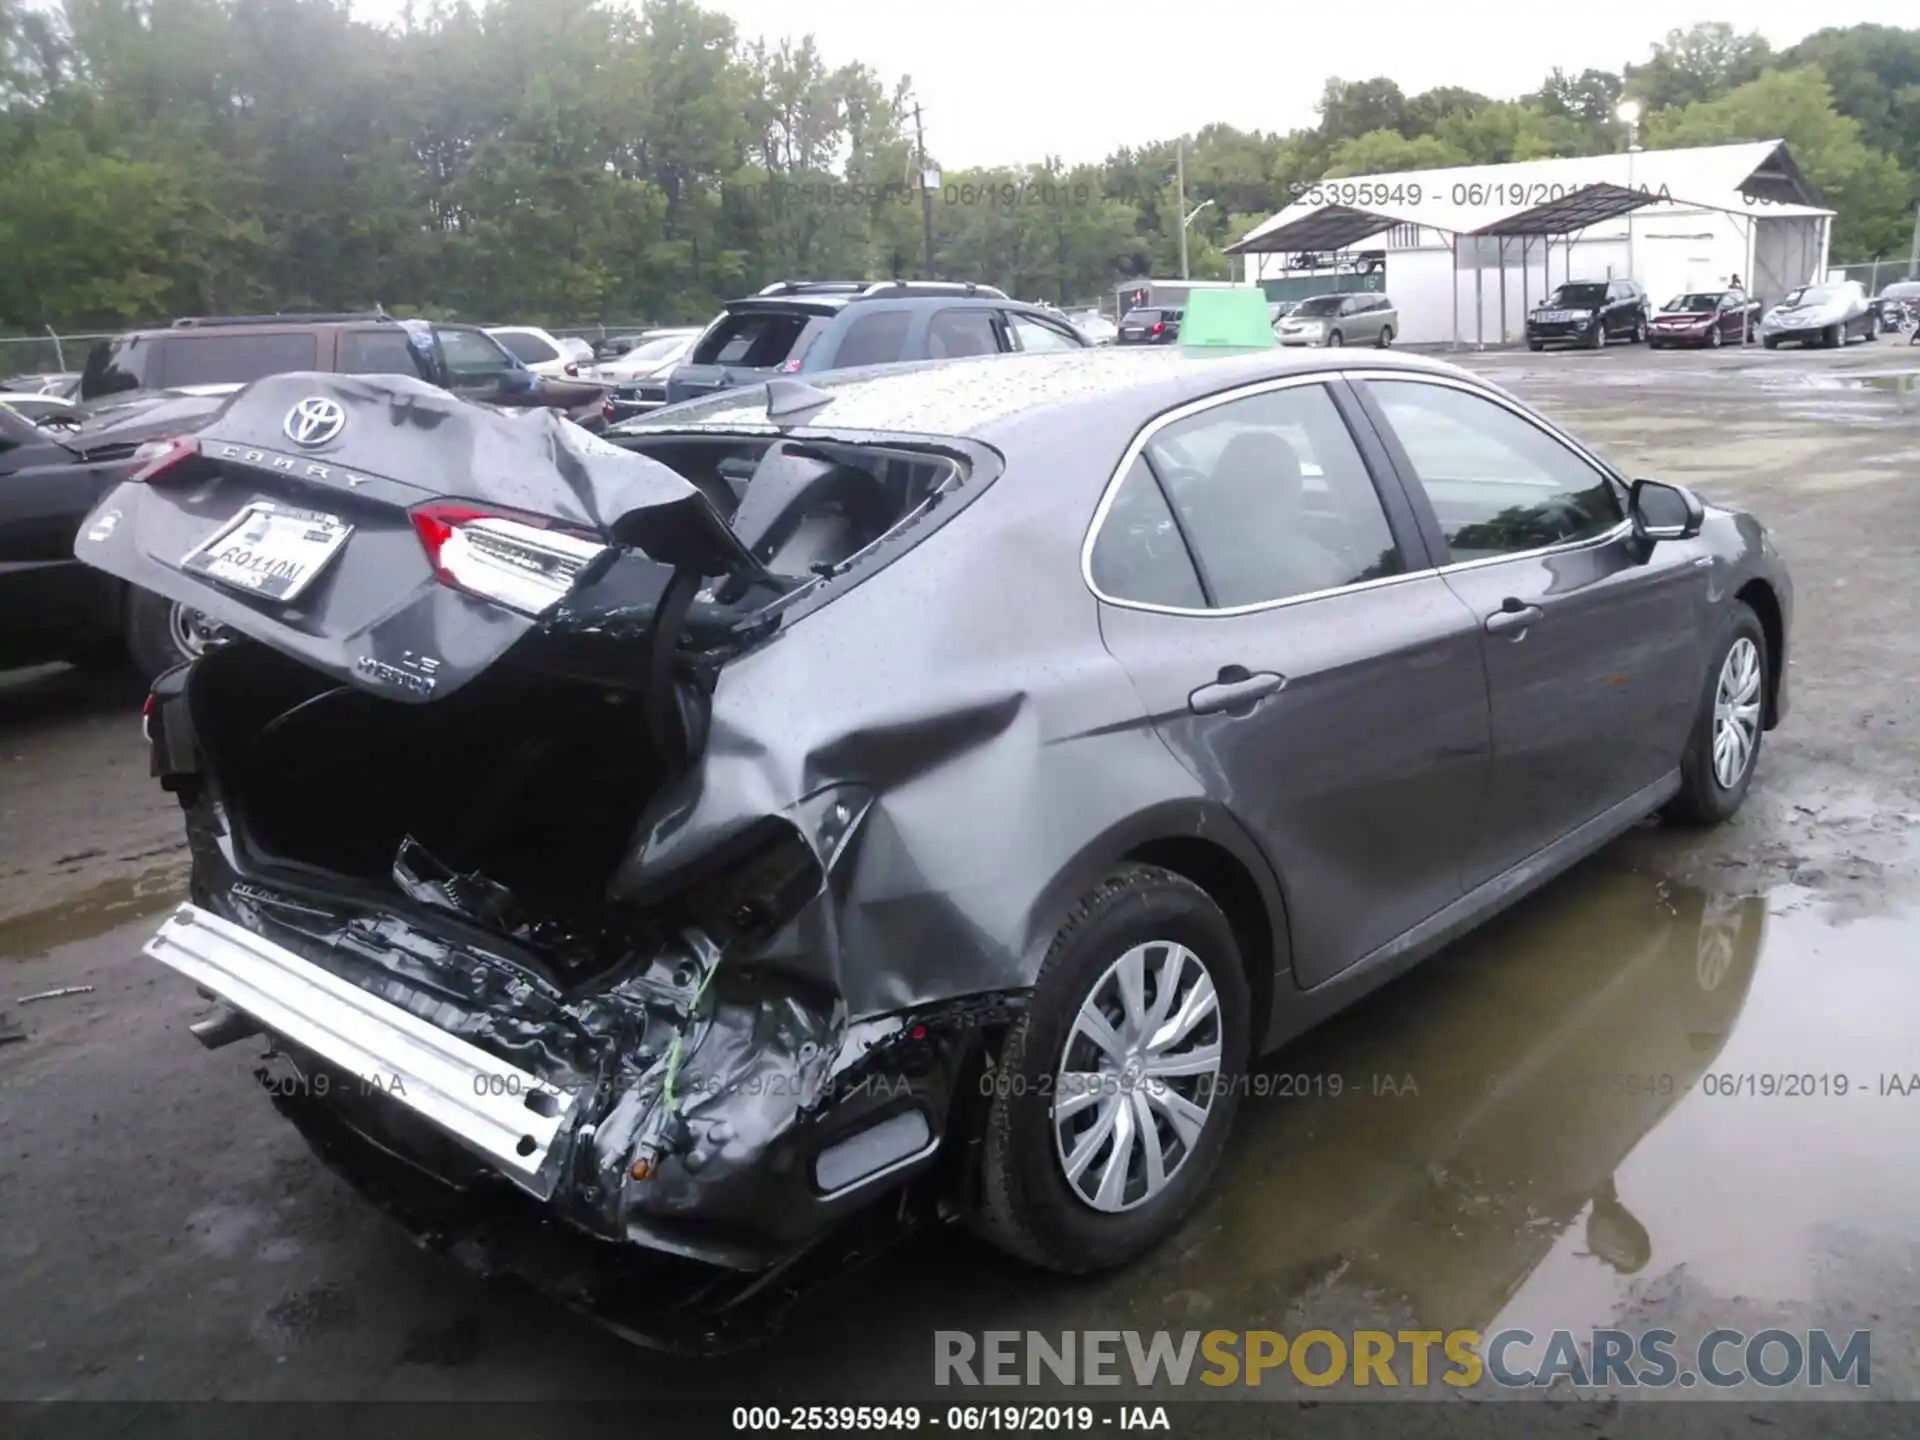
(1699, 63)
(1875, 74)
(1382, 152)
(1866, 187)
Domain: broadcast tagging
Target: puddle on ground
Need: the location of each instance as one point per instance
(93, 912)
(1625, 1102)
(1905, 383)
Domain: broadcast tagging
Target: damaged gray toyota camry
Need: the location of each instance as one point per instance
(667, 868)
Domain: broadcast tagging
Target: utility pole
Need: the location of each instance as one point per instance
(1913, 254)
(927, 183)
(1180, 179)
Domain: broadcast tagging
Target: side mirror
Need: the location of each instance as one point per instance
(1664, 512)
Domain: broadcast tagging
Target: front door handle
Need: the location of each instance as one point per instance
(1236, 691)
(1513, 619)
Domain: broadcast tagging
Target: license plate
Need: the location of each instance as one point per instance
(269, 550)
(1554, 317)
(1133, 330)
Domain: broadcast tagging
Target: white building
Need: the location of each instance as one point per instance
(1469, 249)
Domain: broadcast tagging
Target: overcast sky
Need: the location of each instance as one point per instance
(1004, 83)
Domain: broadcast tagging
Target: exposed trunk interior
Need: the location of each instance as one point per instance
(532, 782)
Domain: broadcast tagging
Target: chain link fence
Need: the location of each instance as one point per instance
(49, 353)
(1874, 273)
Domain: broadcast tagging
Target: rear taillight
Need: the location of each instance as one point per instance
(606, 408)
(792, 367)
(146, 719)
(1159, 327)
(158, 456)
(522, 562)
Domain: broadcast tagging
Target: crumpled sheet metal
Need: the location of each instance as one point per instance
(998, 783)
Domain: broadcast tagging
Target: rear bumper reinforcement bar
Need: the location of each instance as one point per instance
(485, 1103)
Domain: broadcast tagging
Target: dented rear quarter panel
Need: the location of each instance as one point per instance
(1011, 763)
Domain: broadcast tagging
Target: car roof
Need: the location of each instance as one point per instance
(832, 304)
(992, 397)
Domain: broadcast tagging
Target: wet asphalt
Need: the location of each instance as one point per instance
(1680, 1087)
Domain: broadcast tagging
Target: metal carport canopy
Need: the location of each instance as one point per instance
(1564, 216)
(1574, 212)
(1332, 227)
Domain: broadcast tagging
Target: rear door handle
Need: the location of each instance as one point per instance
(1236, 691)
(1513, 618)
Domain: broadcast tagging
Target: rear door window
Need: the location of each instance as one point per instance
(876, 337)
(234, 359)
(759, 339)
(1274, 497)
(1032, 334)
(528, 349)
(380, 352)
(962, 332)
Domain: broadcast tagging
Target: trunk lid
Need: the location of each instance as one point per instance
(397, 538)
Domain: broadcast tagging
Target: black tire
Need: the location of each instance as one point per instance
(1385, 341)
(1715, 338)
(1536, 345)
(1653, 344)
(1873, 327)
(1336, 339)
(1639, 330)
(1703, 800)
(151, 640)
(1772, 342)
(1598, 337)
(1026, 1206)
(1833, 339)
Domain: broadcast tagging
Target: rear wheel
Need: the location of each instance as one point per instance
(1386, 336)
(1115, 1089)
(163, 633)
(1873, 327)
(1536, 345)
(1335, 339)
(1772, 342)
(1718, 765)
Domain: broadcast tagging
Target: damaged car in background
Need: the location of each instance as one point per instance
(666, 868)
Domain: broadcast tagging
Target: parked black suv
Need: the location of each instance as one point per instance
(239, 349)
(806, 326)
(1590, 313)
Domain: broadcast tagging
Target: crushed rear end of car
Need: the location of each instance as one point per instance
(570, 1002)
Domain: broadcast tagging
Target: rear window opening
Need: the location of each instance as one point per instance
(755, 339)
(116, 366)
(805, 508)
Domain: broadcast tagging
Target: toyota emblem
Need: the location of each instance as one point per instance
(314, 421)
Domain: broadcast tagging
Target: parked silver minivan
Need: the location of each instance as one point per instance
(1350, 318)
